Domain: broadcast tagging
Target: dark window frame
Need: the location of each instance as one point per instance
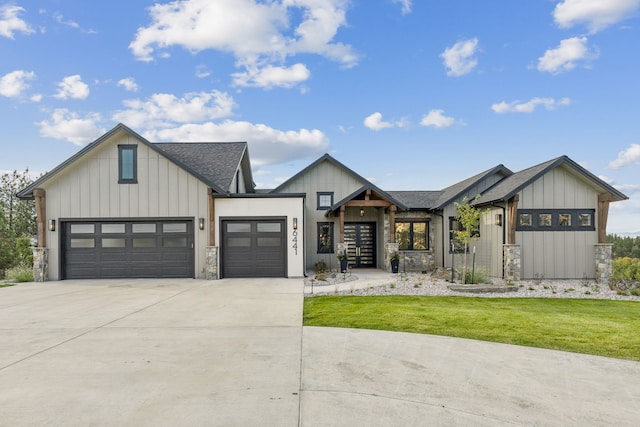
(324, 207)
(325, 248)
(134, 149)
(555, 220)
(413, 221)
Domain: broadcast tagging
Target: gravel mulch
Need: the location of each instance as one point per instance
(432, 285)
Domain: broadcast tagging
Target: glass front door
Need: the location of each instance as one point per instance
(361, 240)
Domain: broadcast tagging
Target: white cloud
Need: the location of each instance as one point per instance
(72, 87)
(266, 144)
(60, 20)
(529, 106)
(67, 125)
(460, 58)
(436, 119)
(257, 34)
(630, 156)
(406, 6)
(163, 110)
(10, 23)
(14, 83)
(128, 84)
(202, 71)
(272, 76)
(596, 14)
(375, 122)
(564, 57)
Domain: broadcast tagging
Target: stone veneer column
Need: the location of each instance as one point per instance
(40, 264)
(512, 264)
(604, 257)
(211, 263)
(389, 250)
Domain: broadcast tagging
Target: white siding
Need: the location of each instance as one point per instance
(285, 207)
(89, 189)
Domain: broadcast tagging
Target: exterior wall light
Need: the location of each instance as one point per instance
(52, 225)
(295, 223)
(361, 211)
(201, 223)
(499, 220)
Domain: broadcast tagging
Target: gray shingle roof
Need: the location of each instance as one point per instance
(417, 199)
(511, 185)
(217, 162)
(454, 191)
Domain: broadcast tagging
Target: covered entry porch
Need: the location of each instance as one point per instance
(366, 227)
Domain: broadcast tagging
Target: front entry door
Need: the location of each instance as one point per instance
(361, 240)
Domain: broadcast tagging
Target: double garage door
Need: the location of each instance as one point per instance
(254, 248)
(127, 249)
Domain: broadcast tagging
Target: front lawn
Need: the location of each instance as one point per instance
(599, 327)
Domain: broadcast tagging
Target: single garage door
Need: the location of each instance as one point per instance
(254, 248)
(127, 249)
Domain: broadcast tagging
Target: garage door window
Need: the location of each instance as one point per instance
(113, 243)
(112, 228)
(174, 242)
(143, 228)
(269, 242)
(144, 242)
(174, 227)
(268, 227)
(82, 228)
(83, 243)
(239, 242)
(240, 227)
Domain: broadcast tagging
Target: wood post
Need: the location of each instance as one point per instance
(40, 198)
(341, 236)
(512, 214)
(392, 223)
(603, 215)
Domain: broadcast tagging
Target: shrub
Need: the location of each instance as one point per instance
(20, 273)
(625, 274)
(24, 252)
(479, 276)
(320, 267)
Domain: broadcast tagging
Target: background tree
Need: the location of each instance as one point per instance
(469, 218)
(17, 219)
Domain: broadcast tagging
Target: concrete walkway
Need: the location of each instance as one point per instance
(234, 353)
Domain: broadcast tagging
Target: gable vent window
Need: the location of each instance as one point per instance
(127, 164)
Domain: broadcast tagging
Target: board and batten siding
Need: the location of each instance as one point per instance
(89, 189)
(324, 177)
(558, 254)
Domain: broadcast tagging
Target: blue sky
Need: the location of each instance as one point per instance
(409, 94)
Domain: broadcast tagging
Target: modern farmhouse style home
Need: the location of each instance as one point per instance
(125, 207)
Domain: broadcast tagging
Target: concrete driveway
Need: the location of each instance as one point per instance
(234, 353)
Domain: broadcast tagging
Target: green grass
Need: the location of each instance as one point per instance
(599, 327)
(5, 285)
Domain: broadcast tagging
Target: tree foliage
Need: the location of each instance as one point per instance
(625, 246)
(469, 217)
(17, 219)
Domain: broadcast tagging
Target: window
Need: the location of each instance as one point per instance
(325, 200)
(127, 164)
(555, 220)
(525, 220)
(412, 235)
(325, 237)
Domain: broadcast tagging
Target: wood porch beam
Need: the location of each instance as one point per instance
(368, 203)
